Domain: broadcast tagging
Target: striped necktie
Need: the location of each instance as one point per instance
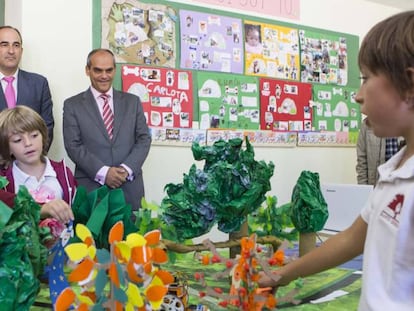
(107, 115)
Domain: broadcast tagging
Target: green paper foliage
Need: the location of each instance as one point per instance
(5, 211)
(231, 185)
(99, 210)
(22, 254)
(145, 222)
(309, 209)
(274, 220)
(3, 182)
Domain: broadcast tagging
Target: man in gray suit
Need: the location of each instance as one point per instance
(30, 89)
(114, 156)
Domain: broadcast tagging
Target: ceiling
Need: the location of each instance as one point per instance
(399, 4)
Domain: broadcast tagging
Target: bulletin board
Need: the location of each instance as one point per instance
(227, 77)
(166, 94)
(275, 52)
(228, 101)
(335, 108)
(139, 33)
(204, 44)
(284, 105)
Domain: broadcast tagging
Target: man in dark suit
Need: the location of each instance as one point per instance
(30, 89)
(113, 151)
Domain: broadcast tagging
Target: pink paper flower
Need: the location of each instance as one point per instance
(56, 229)
(42, 195)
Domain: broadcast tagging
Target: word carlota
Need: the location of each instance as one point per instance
(162, 90)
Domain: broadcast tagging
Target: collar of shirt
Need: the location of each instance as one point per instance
(44, 190)
(20, 177)
(99, 100)
(390, 170)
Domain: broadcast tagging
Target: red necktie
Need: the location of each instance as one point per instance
(107, 115)
(9, 92)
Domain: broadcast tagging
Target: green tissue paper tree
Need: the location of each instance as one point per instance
(231, 185)
(309, 210)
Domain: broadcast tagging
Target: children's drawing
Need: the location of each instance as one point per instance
(166, 94)
(271, 50)
(210, 42)
(228, 101)
(139, 33)
(324, 58)
(284, 105)
(335, 109)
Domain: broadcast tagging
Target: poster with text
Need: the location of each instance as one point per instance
(211, 42)
(285, 105)
(166, 94)
(335, 109)
(139, 33)
(228, 101)
(323, 58)
(271, 51)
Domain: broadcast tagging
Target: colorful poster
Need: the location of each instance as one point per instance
(272, 138)
(166, 94)
(271, 51)
(211, 42)
(323, 58)
(177, 136)
(139, 33)
(328, 139)
(214, 135)
(285, 105)
(255, 137)
(228, 101)
(335, 109)
(284, 9)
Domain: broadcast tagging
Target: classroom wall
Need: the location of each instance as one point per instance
(57, 35)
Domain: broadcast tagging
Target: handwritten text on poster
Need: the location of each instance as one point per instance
(279, 8)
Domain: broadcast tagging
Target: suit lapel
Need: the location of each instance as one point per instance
(3, 104)
(22, 88)
(23, 93)
(120, 110)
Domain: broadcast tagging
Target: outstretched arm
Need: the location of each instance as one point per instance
(336, 250)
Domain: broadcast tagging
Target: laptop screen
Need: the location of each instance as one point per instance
(345, 202)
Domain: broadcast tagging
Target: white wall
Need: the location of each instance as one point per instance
(57, 36)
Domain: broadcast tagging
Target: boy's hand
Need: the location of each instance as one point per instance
(273, 280)
(57, 209)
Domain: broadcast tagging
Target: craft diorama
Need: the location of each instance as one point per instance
(104, 261)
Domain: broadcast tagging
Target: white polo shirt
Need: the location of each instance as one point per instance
(43, 190)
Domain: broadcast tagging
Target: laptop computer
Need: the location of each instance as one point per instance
(345, 202)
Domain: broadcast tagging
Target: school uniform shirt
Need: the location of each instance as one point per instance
(388, 268)
(63, 176)
(44, 190)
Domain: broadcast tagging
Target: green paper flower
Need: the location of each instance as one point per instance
(99, 210)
